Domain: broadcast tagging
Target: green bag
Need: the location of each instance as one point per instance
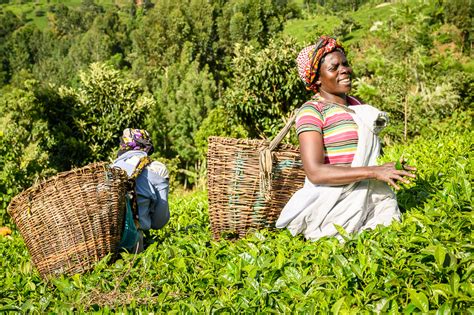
(130, 234)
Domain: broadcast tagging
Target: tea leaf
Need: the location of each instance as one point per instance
(420, 300)
(445, 309)
(454, 283)
(337, 306)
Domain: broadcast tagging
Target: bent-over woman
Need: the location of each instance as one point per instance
(150, 200)
(339, 150)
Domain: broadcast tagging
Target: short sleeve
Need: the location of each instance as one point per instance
(309, 118)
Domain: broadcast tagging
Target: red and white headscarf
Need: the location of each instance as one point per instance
(309, 59)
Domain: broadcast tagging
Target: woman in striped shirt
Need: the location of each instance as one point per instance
(338, 152)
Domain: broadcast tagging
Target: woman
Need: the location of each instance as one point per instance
(339, 148)
(150, 200)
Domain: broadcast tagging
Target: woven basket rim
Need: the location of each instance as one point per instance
(254, 142)
(38, 186)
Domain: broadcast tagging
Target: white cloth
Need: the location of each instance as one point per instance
(155, 166)
(314, 209)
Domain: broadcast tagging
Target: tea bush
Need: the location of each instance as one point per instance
(423, 264)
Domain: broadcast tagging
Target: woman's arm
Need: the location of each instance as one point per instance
(312, 155)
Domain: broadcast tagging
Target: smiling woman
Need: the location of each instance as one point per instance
(339, 149)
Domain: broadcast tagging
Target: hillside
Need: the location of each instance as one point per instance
(319, 23)
(74, 74)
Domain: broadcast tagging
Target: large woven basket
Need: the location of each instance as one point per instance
(250, 181)
(72, 220)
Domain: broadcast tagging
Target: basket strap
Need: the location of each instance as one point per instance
(276, 141)
(144, 162)
(266, 160)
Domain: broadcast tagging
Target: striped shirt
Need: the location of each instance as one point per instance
(339, 130)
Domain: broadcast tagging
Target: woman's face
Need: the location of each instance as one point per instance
(335, 74)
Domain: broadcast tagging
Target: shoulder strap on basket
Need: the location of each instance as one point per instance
(144, 162)
(266, 161)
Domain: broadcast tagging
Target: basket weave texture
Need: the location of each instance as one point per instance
(72, 220)
(238, 200)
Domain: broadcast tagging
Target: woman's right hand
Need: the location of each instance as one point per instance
(389, 174)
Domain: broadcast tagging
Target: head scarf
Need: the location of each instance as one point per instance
(309, 60)
(135, 139)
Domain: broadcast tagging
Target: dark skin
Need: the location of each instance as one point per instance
(334, 84)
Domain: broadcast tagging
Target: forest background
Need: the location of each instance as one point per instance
(74, 74)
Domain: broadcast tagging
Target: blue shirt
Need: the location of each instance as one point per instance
(152, 188)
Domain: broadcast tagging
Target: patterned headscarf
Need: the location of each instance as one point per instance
(309, 60)
(135, 139)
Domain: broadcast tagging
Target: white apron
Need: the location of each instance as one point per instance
(314, 209)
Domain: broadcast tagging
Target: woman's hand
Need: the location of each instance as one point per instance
(389, 174)
(318, 173)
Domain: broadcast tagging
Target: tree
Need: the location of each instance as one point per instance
(106, 103)
(22, 47)
(10, 22)
(346, 27)
(337, 5)
(53, 66)
(265, 87)
(461, 14)
(401, 73)
(253, 22)
(70, 22)
(23, 134)
(184, 98)
(166, 30)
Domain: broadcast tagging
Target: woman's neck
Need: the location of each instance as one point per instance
(333, 98)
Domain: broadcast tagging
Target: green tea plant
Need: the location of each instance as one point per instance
(422, 264)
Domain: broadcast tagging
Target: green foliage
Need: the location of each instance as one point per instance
(21, 48)
(106, 102)
(102, 40)
(406, 76)
(265, 88)
(10, 22)
(336, 5)
(77, 35)
(411, 58)
(208, 29)
(423, 264)
(184, 98)
(169, 27)
(23, 132)
(217, 123)
(252, 22)
(309, 30)
(347, 26)
(461, 14)
(52, 64)
(67, 21)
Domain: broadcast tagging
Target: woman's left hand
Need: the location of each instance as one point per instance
(389, 174)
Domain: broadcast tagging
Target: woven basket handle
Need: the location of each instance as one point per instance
(266, 160)
(276, 141)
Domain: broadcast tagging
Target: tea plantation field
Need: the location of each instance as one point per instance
(423, 264)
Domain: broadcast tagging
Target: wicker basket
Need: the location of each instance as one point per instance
(73, 219)
(250, 181)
